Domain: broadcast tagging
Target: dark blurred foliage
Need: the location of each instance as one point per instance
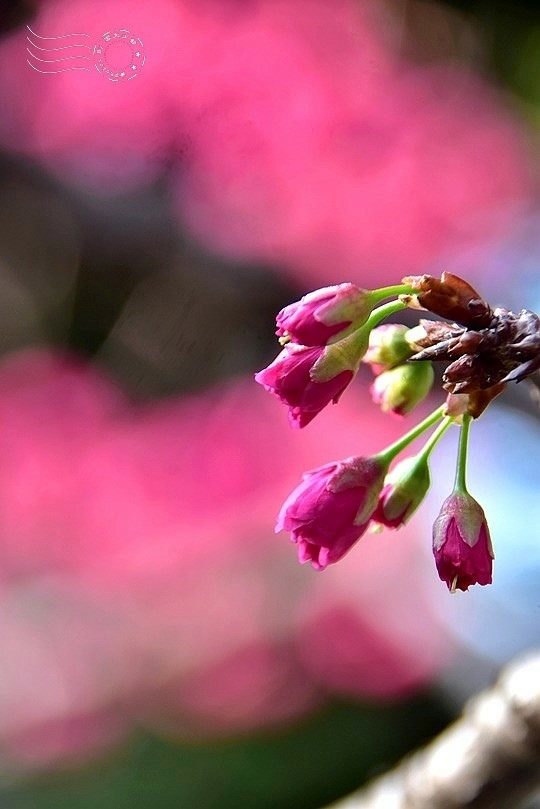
(507, 28)
(129, 243)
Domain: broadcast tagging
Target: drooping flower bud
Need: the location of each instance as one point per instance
(400, 389)
(290, 378)
(331, 508)
(320, 315)
(387, 347)
(461, 543)
(404, 489)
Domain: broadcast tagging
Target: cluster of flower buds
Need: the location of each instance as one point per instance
(325, 336)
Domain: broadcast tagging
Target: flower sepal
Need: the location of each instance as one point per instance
(344, 355)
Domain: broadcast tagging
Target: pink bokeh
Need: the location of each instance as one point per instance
(141, 579)
(295, 132)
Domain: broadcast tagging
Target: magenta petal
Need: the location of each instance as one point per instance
(321, 513)
(321, 314)
(288, 378)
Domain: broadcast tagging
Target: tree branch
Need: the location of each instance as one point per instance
(487, 759)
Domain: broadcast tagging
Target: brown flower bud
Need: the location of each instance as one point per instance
(506, 351)
(451, 297)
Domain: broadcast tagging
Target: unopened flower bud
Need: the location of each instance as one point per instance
(400, 389)
(331, 508)
(320, 315)
(461, 543)
(404, 489)
(387, 347)
(290, 378)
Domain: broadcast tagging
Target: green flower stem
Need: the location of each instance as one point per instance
(388, 454)
(382, 312)
(356, 343)
(348, 352)
(460, 484)
(390, 292)
(432, 442)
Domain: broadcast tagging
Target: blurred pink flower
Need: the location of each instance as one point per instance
(358, 625)
(297, 134)
(140, 577)
(259, 683)
(66, 670)
(335, 178)
(85, 127)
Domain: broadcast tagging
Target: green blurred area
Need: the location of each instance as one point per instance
(513, 31)
(303, 767)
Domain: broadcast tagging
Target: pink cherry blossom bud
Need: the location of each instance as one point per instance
(404, 489)
(401, 389)
(461, 543)
(321, 314)
(290, 377)
(387, 347)
(331, 508)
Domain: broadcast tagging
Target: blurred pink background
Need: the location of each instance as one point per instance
(302, 143)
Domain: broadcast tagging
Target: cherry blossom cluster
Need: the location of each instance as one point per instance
(325, 336)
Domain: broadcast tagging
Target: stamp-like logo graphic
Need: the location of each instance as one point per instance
(118, 54)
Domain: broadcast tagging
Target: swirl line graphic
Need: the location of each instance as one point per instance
(62, 36)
